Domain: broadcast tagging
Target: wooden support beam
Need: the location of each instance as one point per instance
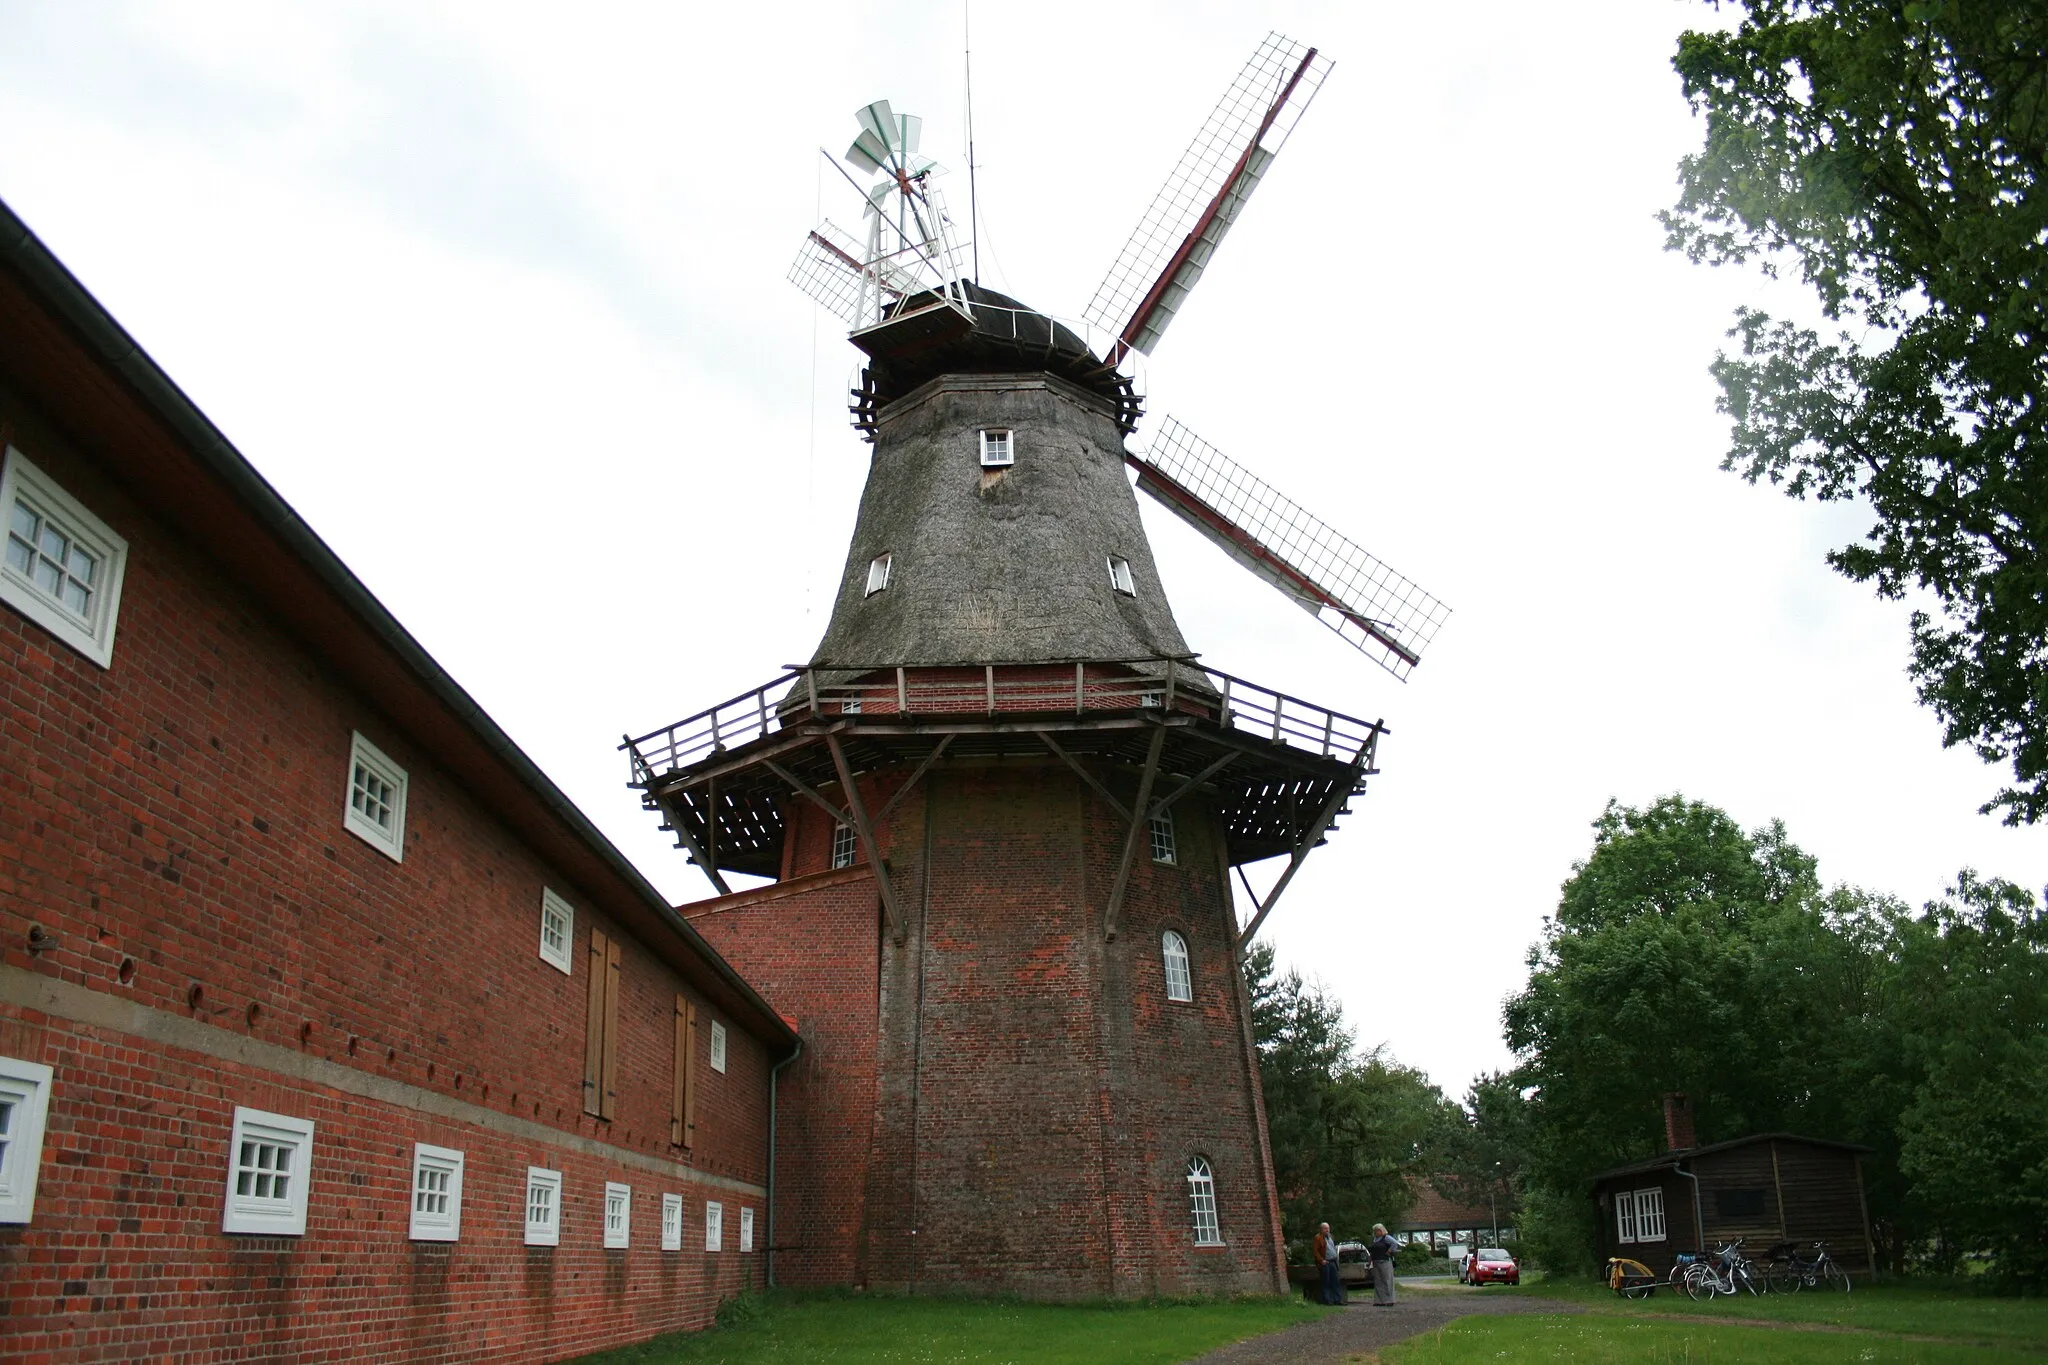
(1122, 811)
(1309, 839)
(806, 789)
(864, 832)
(915, 777)
(1197, 780)
(1112, 916)
(689, 841)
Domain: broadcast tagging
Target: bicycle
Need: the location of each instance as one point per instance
(1793, 1272)
(1726, 1272)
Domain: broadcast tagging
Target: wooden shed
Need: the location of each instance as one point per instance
(1766, 1188)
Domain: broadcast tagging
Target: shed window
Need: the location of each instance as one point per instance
(557, 930)
(618, 1215)
(878, 572)
(1625, 1216)
(436, 1194)
(1173, 950)
(714, 1227)
(671, 1222)
(62, 565)
(1202, 1204)
(718, 1047)
(842, 846)
(1740, 1203)
(1120, 576)
(1164, 848)
(269, 1156)
(1650, 1215)
(997, 448)
(24, 1105)
(543, 1207)
(375, 810)
(746, 1229)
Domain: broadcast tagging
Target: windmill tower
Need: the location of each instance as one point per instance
(1002, 804)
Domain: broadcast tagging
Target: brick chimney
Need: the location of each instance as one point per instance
(1677, 1121)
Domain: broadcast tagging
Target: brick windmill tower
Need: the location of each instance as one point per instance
(1002, 804)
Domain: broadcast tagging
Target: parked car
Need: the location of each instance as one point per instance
(1491, 1265)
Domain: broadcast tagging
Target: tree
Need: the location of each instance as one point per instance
(1688, 954)
(1893, 154)
(1347, 1130)
(1975, 1135)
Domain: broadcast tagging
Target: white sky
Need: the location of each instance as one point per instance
(494, 295)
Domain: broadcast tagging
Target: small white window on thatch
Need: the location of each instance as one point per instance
(998, 448)
(1120, 576)
(878, 573)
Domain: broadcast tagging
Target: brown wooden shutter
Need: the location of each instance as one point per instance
(682, 1126)
(611, 1027)
(593, 1026)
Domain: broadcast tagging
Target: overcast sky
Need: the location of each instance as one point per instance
(494, 295)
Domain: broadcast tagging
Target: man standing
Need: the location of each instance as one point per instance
(1326, 1262)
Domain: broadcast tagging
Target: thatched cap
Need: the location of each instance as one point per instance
(1005, 337)
(1004, 565)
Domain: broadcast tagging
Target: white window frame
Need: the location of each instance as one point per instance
(27, 1086)
(746, 1228)
(1120, 576)
(1180, 975)
(618, 1215)
(92, 634)
(878, 571)
(845, 847)
(1202, 1203)
(1625, 1217)
(1163, 838)
(671, 1222)
(998, 447)
(1650, 1214)
(389, 842)
(718, 1047)
(714, 1226)
(268, 1216)
(544, 1232)
(443, 1165)
(557, 912)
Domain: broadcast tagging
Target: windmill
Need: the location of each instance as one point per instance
(1378, 611)
(1002, 803)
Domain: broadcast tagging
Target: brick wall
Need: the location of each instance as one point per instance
(176, 822)
(1027, 1096)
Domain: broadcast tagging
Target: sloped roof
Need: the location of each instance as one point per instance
(86, 372)
(1673, 1158)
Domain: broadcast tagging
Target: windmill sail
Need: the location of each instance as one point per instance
(1383, 615)
(1202, 198)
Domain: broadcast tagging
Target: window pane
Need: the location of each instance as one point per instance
(47, 576)
(76, 598)
(20, 554)
(53, 543)
(23, 523)
(81, 566)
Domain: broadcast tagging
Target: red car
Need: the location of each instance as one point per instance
(1491, 1265)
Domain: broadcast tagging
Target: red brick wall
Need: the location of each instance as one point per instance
(1028, 1096)
(809, 946)
(176, 822)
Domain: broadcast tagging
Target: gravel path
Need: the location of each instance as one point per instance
(1362, 1328)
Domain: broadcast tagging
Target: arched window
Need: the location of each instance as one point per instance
(1173, 949)
(1202, 1203)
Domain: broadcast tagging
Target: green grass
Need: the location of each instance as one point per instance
(1905, 1308)
(847, 1329)
(1598, 1339)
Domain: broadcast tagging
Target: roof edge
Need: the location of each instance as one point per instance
(1682, 1154)
(24, 252)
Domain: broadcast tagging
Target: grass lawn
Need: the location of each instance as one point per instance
(850, 1329)
(1905, 1308)
(1598, 1339)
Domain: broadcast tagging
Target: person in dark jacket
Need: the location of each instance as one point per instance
(1382, 1248)
(1326, 1265)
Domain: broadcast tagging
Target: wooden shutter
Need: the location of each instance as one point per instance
(601, 1029)
(682, 1124)
(611, 1027)
(593, 1026)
